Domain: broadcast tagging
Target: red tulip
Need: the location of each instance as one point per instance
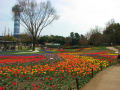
(28, 78)
(23, 76)
(33, 85)
(36, 88)
(63, 77)
(53, 86)
(1, 88)
(51, 78)
(46, 78)
(8, 77)
(14, 83)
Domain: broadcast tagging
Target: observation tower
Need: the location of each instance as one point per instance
(16, 10)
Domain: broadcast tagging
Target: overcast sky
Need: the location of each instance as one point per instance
(75, 15)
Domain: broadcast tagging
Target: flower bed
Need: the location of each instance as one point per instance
(21, 59)
(57, 75)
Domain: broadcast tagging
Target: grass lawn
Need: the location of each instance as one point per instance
(96, 49)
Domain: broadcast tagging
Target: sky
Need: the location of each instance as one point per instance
(74, 16)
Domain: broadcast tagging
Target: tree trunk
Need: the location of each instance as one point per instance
(33, 48)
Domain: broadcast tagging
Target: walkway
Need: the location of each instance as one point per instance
(113, 49)
(108, 79)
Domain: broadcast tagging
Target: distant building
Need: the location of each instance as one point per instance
(56, 44)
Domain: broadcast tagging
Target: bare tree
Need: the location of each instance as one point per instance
(35, 17)
(95, 36)
(92, 31)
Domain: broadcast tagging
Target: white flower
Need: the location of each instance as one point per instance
(51, 58)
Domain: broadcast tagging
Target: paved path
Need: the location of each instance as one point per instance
(108, 79)
(112, 48)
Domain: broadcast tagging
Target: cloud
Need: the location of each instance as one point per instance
(88, 11)
(6, 15)
(81, 15)
(75, 15)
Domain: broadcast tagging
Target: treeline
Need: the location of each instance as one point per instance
(73, 39)
(110, 35)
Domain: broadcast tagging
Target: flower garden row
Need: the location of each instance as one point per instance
(60, 74)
